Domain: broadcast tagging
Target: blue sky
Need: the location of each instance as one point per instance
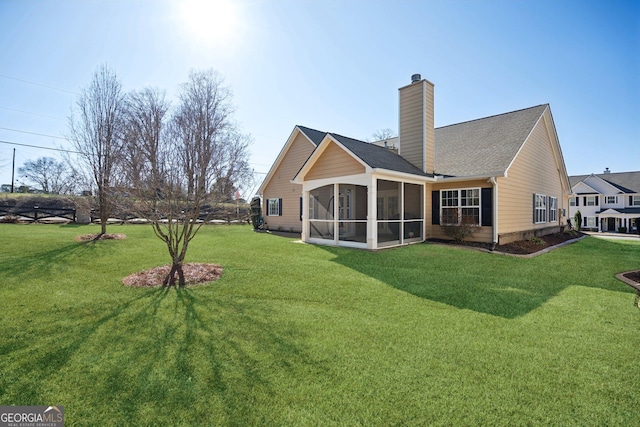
(334, 65)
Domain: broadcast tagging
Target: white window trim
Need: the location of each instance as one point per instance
(553, 209)
(590, 199)
(635, 200)
(540, 209)
(270, 203)
(608, 202)
(460, 207)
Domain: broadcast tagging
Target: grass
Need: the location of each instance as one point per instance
(297, 334)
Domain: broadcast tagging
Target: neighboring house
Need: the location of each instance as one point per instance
(504, 175)
(607, 201)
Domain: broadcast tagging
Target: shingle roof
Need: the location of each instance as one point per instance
(483, 146)
(378, 157)
(479, 147)
(627, 182)
(316, 136)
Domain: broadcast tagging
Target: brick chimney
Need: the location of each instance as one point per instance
(416, 123)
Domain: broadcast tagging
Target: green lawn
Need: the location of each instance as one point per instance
(296, 334)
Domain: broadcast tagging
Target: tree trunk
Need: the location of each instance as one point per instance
(170, 280)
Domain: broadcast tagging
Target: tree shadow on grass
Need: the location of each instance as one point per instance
(498, 285)
(160, 356)
(41, 262)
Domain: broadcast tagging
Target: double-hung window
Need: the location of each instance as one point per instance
(540, 211)
(460, 207)
(611, 200)
(590, 201)
(635, 200)
(274, 207)
(553, 209)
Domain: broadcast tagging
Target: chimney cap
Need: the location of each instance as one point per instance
(607, 170)
(416, 78)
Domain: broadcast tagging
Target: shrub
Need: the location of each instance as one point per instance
(578, 220)
(459, 232)
(256, 213)
(537, 241)
(622, 229)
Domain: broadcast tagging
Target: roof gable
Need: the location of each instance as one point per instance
(484, 146)
(311, 135)
(369, 155)
(625, 182)
(601, 185)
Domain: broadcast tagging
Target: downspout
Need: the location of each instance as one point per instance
(495, 211)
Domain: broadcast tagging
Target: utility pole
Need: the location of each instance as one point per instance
(13, 168)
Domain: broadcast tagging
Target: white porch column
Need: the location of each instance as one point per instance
(305, 215)
(372, 229)
(336, 213)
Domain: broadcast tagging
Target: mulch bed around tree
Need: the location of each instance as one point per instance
(106, 236)
(194, 274)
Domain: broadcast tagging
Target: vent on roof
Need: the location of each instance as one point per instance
(607, 170)
(416, 78)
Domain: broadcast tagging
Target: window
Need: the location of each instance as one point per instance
(460, 207)
(635, 200)
(274, 207)
(540, 209)
(450, 207)
(553, 209)
(572, 201)
(590, 222)
(590, 201)
(611, 200)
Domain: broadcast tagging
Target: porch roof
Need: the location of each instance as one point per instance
(378, 157)
(623, 211)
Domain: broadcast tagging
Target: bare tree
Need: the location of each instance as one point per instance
(50, 175)
(95, 130)
(179, 162)
(383, 134)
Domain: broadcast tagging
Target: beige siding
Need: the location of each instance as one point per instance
(429, 130)
(411, 124)
(533, 171)
(417, 124)
(280, 187)
(484, 234)
(333, 162)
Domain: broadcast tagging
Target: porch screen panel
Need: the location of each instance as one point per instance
(413, 211)
(321, 205)
(352, 211)
(388, 211)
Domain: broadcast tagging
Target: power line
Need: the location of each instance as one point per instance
(39, 146)
(34, 133)
(33, 114)
(38, 84)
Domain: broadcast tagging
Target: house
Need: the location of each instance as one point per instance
(607, 201)
(502, 176)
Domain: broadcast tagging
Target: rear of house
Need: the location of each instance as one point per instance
(503, 176)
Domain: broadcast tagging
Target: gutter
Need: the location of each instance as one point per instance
(488, 177)
(495, 209)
